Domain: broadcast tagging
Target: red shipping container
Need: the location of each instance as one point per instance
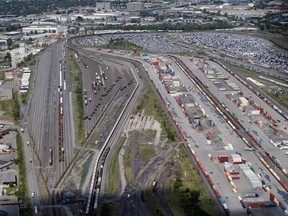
(234, 173)
(240, 162)
(223, 158)
(261, 205)
(253, 204)
(235, 177)
(272, 196)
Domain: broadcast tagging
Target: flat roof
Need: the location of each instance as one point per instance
(12, 33)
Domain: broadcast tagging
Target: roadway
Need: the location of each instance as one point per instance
(35, 192)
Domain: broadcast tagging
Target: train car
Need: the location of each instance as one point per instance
(95, 206)
(154, 185)
(50, 156)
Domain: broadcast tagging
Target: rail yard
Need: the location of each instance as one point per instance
(98, 140)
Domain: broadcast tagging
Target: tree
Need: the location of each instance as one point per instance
(8, 57)
(9, 42)
(79, 19)
(194, 197)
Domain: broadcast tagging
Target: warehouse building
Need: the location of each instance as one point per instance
(44, 27)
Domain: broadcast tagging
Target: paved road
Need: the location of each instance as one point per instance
(34, 179)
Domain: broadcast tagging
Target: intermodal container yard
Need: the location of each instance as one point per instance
(235, 136)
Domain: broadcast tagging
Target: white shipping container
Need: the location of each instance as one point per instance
(254, 112)
(176, 83)
(210, 77)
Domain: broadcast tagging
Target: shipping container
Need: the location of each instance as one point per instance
(223, 158)
(235, 177)
(253, 204)
(272, 196)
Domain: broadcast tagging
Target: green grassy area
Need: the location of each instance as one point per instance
(78, 99)
(279, 98)
(2, 75)
(189, 197)
(146, 151)
(29, 61)
(11, 109)
(114, 174)
(153, 108)
(7, 107)
(128, 160)
(128, 174)
(22, 193)
(11, 190)
(122, 44)
(151, 133)
(24, 97)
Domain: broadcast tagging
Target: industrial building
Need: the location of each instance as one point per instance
(44, 27)
(135, 6)
(25, 79)
(103, 5)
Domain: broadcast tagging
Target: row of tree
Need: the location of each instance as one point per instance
(23, 8)
(173, 26)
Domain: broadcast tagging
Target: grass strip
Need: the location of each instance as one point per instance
(77, 97)
(114, 174)
(122, 44)
(22, 193)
